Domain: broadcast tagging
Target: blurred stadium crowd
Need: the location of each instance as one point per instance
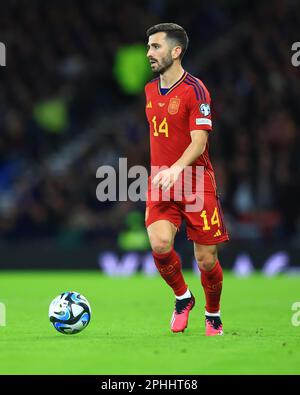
(62, 113)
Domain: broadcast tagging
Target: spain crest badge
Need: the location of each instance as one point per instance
(173, 105)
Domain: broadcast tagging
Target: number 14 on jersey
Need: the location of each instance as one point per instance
(162, 128)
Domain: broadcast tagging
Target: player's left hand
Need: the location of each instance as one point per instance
(167, 178)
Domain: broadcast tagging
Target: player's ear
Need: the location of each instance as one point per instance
(176, 52)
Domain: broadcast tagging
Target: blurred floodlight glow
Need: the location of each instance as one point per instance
(131, 68)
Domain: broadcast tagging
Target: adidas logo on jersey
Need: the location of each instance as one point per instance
(218, 233)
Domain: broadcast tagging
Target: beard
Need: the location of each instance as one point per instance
(164, 64)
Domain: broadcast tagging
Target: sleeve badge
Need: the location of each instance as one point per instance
(205, 109)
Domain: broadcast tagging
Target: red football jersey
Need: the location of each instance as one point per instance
(185, 107)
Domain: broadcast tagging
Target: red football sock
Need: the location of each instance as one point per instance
(169, 267)
(212, 285)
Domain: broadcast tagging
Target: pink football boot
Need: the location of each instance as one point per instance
(179, 320)
(213, 326)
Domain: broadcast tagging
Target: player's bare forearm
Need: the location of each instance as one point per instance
(167, 178)
(194, 150)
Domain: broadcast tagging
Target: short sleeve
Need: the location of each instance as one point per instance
(199, 108)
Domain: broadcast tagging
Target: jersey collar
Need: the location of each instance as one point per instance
(173, 86)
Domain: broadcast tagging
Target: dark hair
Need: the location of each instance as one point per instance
(174, 32)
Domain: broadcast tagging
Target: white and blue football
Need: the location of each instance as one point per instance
(70, 313)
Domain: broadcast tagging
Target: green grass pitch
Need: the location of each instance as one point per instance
(129, 330)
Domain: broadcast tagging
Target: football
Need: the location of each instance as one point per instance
(70, 313)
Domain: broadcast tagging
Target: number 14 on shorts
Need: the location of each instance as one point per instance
(214, 219)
